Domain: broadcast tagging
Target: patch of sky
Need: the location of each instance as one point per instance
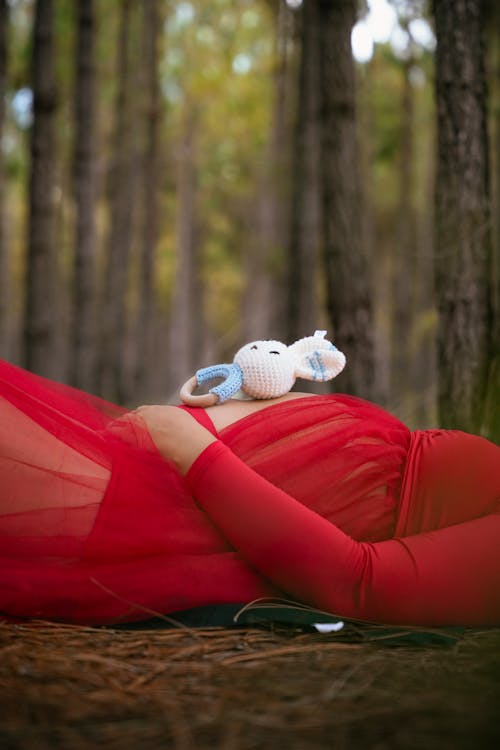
(172, 91)
(362, 42)
(294, 3)
(422, 34)
(22, 107)
(400, 42)
(184, 14)
(242, 63)
(381, 20)
(380, 26)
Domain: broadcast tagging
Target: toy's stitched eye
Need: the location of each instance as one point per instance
(273, 352)
(253, 347)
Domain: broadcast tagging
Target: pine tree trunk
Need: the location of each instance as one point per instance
(347, 270)
(404, 280)
(305, 234)
(374, 241)
(150, 175)
(40, 313)
(463, 259)
(424, 364)
(4, 256)
(491, 424)
(264, 300)
(112, 369)
(186, 318)
(83, 331)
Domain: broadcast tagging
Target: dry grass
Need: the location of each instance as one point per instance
(72, 688)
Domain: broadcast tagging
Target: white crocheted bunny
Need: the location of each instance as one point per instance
(267, 369)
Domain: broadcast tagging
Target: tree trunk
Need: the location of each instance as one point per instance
(375, 241)
(113, 373)
(404, 281)
(424, 364)
(491, 425)
(150, 175)
(186, 318)
(463, 260)
(263, 305)
(347, 271)
(83, 330)
(4, 256)
(40, 313)
(305, 234)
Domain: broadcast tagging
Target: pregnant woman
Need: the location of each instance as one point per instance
(108, 516)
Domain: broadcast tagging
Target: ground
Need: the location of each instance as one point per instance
(73, 688)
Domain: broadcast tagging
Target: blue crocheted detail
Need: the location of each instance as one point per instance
(315, 361)
(233, 379)
(316, 366)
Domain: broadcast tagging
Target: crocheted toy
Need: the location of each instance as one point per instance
(267, 369)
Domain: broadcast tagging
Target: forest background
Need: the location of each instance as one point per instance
(178, 178)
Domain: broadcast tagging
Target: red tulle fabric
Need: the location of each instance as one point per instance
(96, 527)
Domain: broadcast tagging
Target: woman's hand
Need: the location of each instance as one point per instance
(178, 436)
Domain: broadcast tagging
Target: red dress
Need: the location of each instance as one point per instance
(327, 499)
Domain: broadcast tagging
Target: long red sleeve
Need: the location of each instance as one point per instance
(443, 577)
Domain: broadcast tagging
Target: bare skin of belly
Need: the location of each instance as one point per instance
(233, 410)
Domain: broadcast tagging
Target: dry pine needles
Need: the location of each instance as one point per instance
(74, 687)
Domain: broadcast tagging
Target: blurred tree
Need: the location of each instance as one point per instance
(215, 78)
(305, 235)
(150, 167)
(41, 298)
(263, 302)
(83, 333)
(398, 158)
(492, 410)
(347, 268)
(463, 259)
(404, 280)
(186, 318)
(370, 80)
(4, 254)
(113, 371)
(413, 360)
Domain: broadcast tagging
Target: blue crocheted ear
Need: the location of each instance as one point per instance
(233, 379)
